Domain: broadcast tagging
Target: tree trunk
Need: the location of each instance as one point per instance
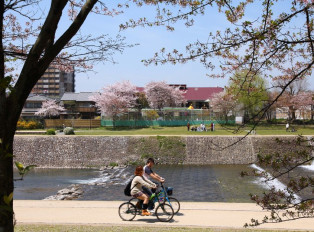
(226, 118)
(292, 112)
(6, 179)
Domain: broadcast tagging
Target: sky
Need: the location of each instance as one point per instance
(151, 40)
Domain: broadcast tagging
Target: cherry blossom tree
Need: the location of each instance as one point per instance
(116, 99)
(32, 38)
(276, 42)
(303, 102)
(223, 103)
(295, 200)
(160, 95)
(290, 93)
(50, 109)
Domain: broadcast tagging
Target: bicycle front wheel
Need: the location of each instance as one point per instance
(164, 212)
(175, 204)
(127, 211)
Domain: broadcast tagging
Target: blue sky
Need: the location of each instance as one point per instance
(151, 40)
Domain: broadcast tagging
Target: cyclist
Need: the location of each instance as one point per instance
(149, 174)
(136, 188)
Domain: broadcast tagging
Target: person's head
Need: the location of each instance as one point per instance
(150, 162)
(138, 171)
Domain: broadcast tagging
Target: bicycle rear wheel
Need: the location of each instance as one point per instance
(175, 204)
(135, 201)
(127, 211)
(164, 212)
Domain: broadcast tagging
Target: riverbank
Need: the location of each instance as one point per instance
(192, 214)
(99, 151)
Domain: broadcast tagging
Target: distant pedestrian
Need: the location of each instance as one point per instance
(188, 126)
(287, 127)
(213, 126)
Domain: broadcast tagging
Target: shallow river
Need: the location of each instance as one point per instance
(221, 183)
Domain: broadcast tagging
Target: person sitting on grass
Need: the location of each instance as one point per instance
(138, 182)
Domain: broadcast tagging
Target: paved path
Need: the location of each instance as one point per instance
(192, 214)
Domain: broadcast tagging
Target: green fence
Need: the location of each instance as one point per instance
(147, 123)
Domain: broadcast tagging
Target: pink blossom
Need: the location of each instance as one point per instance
(160, 94)
(116, 99)
(50, 108)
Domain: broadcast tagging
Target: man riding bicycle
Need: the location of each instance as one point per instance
(148, 172)
(150, 175)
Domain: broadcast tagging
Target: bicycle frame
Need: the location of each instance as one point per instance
(162, 194)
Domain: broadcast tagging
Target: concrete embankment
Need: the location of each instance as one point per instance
(98, 151)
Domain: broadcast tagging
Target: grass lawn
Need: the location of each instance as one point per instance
(176, 131)
(91, 228)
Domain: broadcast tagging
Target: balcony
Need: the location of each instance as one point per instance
(82, 109)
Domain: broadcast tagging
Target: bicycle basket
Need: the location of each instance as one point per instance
(169, 191)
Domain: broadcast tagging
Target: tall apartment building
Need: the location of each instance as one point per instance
(54, 83)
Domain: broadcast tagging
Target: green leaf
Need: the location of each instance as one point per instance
(30, 167)
(8, 199)
(19, 166)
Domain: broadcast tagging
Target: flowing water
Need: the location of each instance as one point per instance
(210, 183)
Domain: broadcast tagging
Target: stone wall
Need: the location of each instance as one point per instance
(98, 151)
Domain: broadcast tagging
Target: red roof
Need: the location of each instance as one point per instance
(140, 89)
(196, 93)
(201, 93)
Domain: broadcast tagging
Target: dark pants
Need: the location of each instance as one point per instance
(149, 192)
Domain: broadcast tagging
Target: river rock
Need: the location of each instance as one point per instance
(73, 192)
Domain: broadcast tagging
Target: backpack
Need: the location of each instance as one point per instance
(127, 190)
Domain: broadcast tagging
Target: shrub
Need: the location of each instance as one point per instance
(28, 125)
(152, 115)
(68, 131)
(51, 132)
(113, 164)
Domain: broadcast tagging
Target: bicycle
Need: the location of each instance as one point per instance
(128, 211)
(163, 196)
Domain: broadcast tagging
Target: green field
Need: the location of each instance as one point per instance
(152, 228)
(177, 131)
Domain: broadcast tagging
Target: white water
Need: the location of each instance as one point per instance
(273, 183)
(117, 177)
(308, 167)
(311, 166)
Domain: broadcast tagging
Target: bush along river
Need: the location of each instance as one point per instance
(208, 183)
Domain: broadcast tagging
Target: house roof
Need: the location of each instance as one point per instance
(79, 97)
(201, 93)
(38, 98)
(140, 89)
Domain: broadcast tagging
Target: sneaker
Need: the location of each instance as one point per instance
(152, 211)
(145, 212)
